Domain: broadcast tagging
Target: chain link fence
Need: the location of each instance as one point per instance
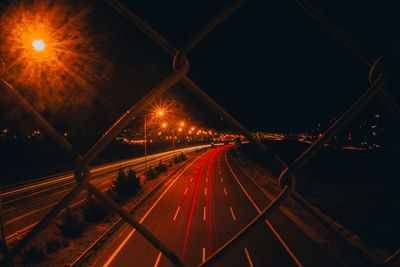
(377, 80)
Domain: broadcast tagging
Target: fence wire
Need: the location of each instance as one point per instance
(377, 78)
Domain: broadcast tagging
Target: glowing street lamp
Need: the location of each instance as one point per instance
(182, 124)
(38, 45)
(158, 113)
(50, 50)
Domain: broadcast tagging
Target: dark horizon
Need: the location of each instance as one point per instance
(272, 66)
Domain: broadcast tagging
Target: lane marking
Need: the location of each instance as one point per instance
(288, 250)
(244, 190)
(204, 214)
(43, 191)
(43, 208)
(157, 260)
(37, 210)
(204, 254)
(248, 257)
(144, 217)
(205, 191)
(283, 243)
(187, 188)
(233, 215)
(10, 209)
(93, 171)
(20, 232)
(226, 194)
(222, 180)
(180, 201)
(211, 165)
(28, 214)
(208, 156)
(176, 213)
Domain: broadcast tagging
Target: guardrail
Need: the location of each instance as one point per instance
(96, 244)
(138, 167)
(377, 78)
(95, 171)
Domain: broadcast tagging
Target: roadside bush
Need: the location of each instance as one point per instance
(125, 185)
(32, 254)
(134, 181)
(161, 167)
(3, 247)
(150, 174)
(65, 243)
(113, 195)
(71, 225)
(179, 158)
(93, 210)
(52, 245)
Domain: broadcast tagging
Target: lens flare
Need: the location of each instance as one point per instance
(51, 54)
(38, 45)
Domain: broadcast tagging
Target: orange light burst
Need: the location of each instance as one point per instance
(38, 45)
(50, 53)
(160, 111)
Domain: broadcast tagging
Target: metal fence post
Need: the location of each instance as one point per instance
(181, 67)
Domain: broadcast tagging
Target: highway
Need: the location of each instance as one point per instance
(202, 207)
(25, 203)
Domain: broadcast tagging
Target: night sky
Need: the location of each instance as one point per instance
(270, 64)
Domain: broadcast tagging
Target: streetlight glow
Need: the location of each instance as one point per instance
(38, 45)
(51, 53)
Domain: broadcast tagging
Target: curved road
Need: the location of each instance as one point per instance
(200, 209)
(24, 204)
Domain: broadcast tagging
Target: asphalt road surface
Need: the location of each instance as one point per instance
(26, 203)
(200, 209)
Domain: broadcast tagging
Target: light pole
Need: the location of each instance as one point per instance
(173, 143)
(180, 129)
(145, 143)
(3, 236)
(193, 133)
(159, 113)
